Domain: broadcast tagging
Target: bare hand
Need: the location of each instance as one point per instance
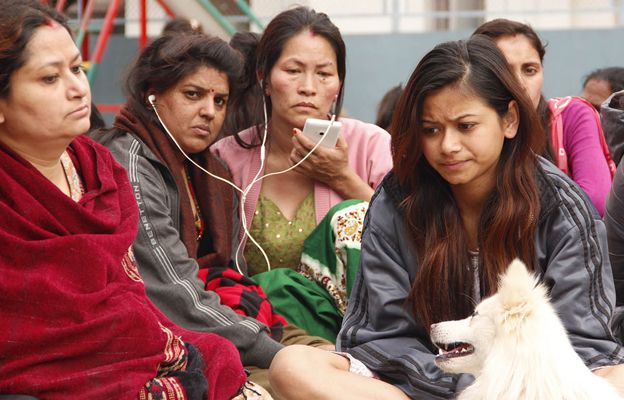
(615, 375)
(324, 164)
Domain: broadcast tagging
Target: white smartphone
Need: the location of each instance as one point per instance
(316, 129)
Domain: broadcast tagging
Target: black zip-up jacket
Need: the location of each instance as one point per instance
(612, 115)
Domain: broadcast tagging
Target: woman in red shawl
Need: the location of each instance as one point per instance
(76, 322)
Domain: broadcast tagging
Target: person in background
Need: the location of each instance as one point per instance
(386, 107)
(96, 119)
(246, 101)
(601, 83)
(189, 220)
(612, 113)
(467, 195)
(182, 25)
(307, 219)
(76, 321)
(612, 119)
(573, 138)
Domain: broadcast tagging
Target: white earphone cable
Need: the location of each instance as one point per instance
(257, 178)
(151, 99)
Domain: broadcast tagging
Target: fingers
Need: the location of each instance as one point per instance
(341, 142)
(297, 154)
(300, 140)
(301, 147)
(297, 146)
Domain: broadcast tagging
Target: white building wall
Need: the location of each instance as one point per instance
(156, 18)
(409, 16)
(556, 14)
(595, 13)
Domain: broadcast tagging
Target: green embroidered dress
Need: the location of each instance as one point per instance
(281, 239)
(312, 293)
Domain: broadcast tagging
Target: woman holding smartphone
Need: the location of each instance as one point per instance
(301, 69)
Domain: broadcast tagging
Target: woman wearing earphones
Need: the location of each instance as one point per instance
(301, 69)
(178, 92)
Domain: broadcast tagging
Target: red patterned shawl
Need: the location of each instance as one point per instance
(74, 325)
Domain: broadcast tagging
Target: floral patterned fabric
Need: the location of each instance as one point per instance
(340, 232)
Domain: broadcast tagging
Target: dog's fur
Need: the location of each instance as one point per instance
(516, 347)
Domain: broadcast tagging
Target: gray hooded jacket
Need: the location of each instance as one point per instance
(572, 255)
(170, 275)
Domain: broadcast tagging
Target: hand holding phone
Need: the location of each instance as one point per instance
(316, 129)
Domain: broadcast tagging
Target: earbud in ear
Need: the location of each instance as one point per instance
(150, 99)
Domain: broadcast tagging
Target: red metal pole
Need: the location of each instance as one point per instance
(100, 45)
(143, 12)
(85, 49)
(83, 30)
(87, 6)
(165, 7)
(60, 5)
(109, 108)
(107, 28)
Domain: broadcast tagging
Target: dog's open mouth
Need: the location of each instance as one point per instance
(455, 349)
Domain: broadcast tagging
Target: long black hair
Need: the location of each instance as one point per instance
(282, 28)
(443, 286)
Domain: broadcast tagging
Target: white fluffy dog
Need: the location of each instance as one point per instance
(516, 347)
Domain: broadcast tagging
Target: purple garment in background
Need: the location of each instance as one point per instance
(586, 161)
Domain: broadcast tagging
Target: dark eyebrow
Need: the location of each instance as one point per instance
(464, 116)
(294, 60)
(426, 121)
(57, 63)
(202, 89)
(299, 62)
(327, 64)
